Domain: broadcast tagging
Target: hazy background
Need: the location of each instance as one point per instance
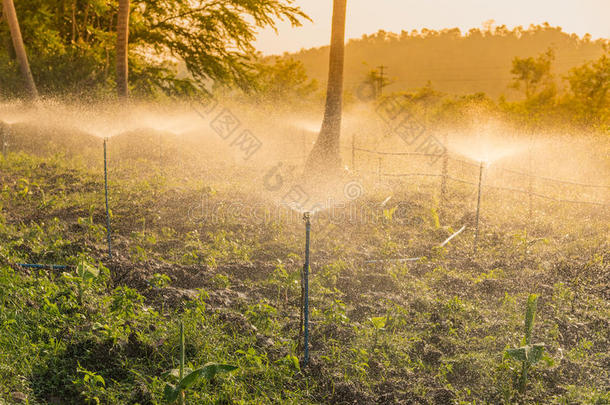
(367, 17)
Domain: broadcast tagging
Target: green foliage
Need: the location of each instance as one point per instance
(173, 392)
(71, 44)
(534, 75)
(589, 96)
(528, 354)
(284, 80)
(401, 331)
(91, 385)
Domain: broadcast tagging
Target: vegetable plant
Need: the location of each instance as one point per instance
(176, 393)
(528, 354)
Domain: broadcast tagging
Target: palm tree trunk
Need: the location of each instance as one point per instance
(22, 57)
(325, 157)
(122, 43)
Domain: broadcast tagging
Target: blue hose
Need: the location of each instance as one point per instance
(42, 266)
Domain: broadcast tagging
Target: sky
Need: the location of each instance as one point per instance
(369, 16)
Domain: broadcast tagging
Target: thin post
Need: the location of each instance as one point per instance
(307, 219)
(445, 171)
(476, 232)
(304, 138)
(530, 183)
(107, 207)
(160, 152)
(530, 196)
(4, 144)
(379, 170)
(353, 152)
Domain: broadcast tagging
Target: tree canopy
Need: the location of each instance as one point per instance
(176, 46)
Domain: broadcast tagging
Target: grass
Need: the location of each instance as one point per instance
(432, 331)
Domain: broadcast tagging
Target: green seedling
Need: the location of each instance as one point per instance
(84, 277)
(528, 354)
(379, 324)
(92, 385)
(175, 393)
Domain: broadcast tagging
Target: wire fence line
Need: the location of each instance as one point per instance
(446, 176)
(526, 174)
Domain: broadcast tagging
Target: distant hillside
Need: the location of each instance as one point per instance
(477, 61)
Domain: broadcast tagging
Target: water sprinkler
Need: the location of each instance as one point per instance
(307, 219)
(476, 231)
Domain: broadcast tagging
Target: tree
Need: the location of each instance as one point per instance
(122, 47)
(325, 157)
(176, 47)
(11, 18)
(284, 81)
(534, 74)
(589, 96)
(212, 39)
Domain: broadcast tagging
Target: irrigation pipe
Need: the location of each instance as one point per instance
(414, 259)
(452, 236)
(42, 266)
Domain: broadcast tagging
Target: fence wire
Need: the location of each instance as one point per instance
(529, 192)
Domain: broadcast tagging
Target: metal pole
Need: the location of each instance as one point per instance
(445, 172)
(106, 192)
(307, 219)
(4, 142)
(476, 232)
(530, 196)
(530, 184)
(353, 152)
(160, 152)
(304, 136)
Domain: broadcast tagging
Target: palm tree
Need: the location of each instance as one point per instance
(325, 158)
(122, 44)
(22, 57)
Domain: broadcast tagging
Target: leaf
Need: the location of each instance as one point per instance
(535, 353)
(517, 354)
(87, 272)
(378, 322)
(294, 361)
(170, 393)
(529, 353)
(208, 371)
(175, 372)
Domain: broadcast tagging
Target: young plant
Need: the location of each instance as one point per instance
(84, 277)
(379, 324)
(91, 384)
(528, 354)
(174, 393)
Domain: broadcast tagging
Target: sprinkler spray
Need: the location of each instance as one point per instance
(307, 219)
(476, 232)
